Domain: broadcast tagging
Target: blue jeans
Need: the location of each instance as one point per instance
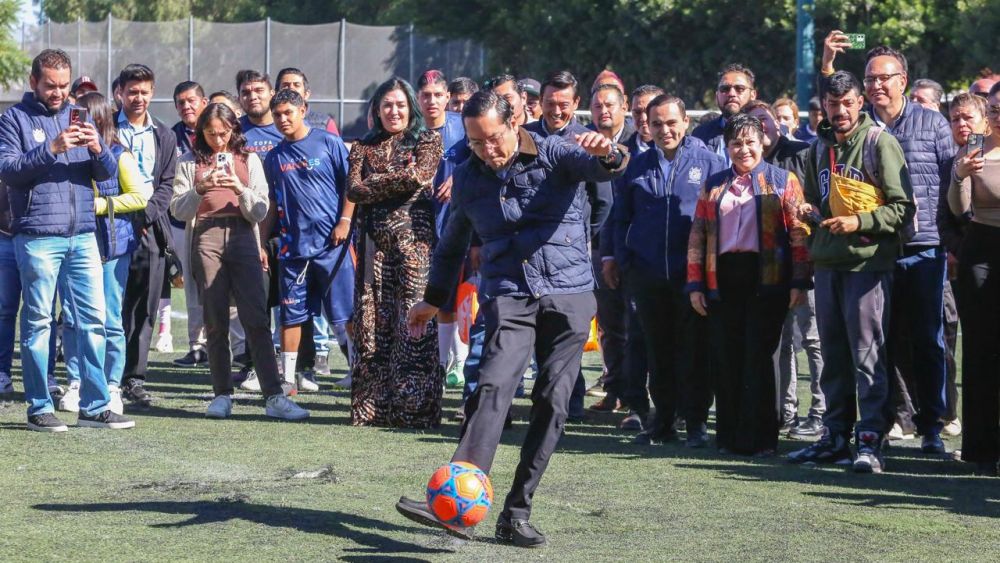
(321, 335)
(10, 298)
(115, 276)
(71, 264)
(916, 335)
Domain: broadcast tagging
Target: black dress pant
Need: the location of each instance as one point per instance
(746, 328)
(979, 308)
(139, 305)
(556, 327)
(677, 352)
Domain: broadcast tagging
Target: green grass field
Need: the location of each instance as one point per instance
(180, 487)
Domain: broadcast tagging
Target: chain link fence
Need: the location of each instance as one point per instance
(344, 62)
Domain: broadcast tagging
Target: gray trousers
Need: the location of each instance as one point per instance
(852, 311)
(803, 317)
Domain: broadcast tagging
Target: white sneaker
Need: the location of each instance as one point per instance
(897, 433)
(251, 383)
(307, 385)
(280, 406)
(116, 406)
(70, 402)
(165, 344)
(953, 428)
(6, 385)
(344, 383)
(220, 407)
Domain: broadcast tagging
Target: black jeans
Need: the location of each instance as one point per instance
(979, 308)
(746, 328)
(142, 298)
(676, 349)
(556, 327)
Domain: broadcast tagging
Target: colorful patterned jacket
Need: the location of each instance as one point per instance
(784, 256)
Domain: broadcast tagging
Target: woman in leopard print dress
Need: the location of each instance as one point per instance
(397, 380)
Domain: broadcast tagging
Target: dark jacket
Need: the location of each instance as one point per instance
(49, 194)
(632, 143)
(599, 194)
(653, 214)
(183, 138)
(532, 224)
(791, 155)
(603, 244)
(157, 215)
(115, 231)
(928, 148)
(711, 134)
(5, 217)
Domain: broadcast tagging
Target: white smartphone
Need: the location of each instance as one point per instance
(224, 162)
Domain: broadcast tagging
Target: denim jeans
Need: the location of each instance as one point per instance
(115, 276)
(73, 265)
(10, 298)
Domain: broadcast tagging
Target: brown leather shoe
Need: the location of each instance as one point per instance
(607, 404)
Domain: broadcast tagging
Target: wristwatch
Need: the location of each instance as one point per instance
(613, 158)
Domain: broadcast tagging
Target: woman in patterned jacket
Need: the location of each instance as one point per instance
(747, 254)
(397, 380)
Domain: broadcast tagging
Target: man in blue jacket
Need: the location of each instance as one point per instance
(653, 215)
(520, 193)
(49, 165)
(735, 89)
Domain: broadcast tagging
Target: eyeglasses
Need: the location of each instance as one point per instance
(880, 78)
(492, 141)
(725, 88)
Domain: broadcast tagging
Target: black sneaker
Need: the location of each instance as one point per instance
(932, 444)
(632, 422)
(46, 422)
(106, 419)
(828, 449)
(239, 360)
(657, 438)
(697, 436)
(419, 512)
(322, 366)
(192, 358)
(789, 423)
(135, 392)
(869, 458)
(812, 427)
(519, 532)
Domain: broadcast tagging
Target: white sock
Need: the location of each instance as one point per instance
(459, 348)
(163, 311)
(288, 360)
(446, 335)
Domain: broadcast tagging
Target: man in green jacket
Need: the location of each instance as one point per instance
(854, 257)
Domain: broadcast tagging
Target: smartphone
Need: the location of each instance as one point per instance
(813, 218)
(857, 40)
(976, 141)
(224, 162)
(77, 116)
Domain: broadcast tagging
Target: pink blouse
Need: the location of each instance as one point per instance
(738, 218)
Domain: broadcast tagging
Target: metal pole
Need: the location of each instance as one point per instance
(341, 73)
(411, 52)
(805, 54)
(79, 48)
(190, 47)
(110, 52)
(267, 46)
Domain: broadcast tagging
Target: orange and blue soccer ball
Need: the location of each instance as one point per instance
(459, 494)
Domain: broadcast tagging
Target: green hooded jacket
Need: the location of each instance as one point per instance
(875, 245)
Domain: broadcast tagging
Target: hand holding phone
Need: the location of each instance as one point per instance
(77, 116)
(972, 161)
(857, 41)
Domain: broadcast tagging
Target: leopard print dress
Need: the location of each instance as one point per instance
(397, 380)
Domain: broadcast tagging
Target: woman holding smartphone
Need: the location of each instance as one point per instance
(974, 194)
(221, 187)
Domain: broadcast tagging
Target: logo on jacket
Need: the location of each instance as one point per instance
(694, 175)
(39, 135)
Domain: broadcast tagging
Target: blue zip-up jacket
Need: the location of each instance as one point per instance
(115, 232)
(49, 194)
(533, 222)
(928, 149)
(653, 214)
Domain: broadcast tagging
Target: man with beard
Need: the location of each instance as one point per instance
(735, 89)
(854, 257)
(53, 223)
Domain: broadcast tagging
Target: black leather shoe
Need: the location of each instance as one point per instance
(519, 532)
(419, 512)
(649, 438)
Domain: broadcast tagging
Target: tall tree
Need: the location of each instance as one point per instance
(13, 62)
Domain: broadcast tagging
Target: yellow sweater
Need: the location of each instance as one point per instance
(131, 197)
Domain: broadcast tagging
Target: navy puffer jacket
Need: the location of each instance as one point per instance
(115, 231)
(928, 148)
(49, 194)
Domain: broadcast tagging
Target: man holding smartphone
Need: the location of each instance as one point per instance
(49, 166)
